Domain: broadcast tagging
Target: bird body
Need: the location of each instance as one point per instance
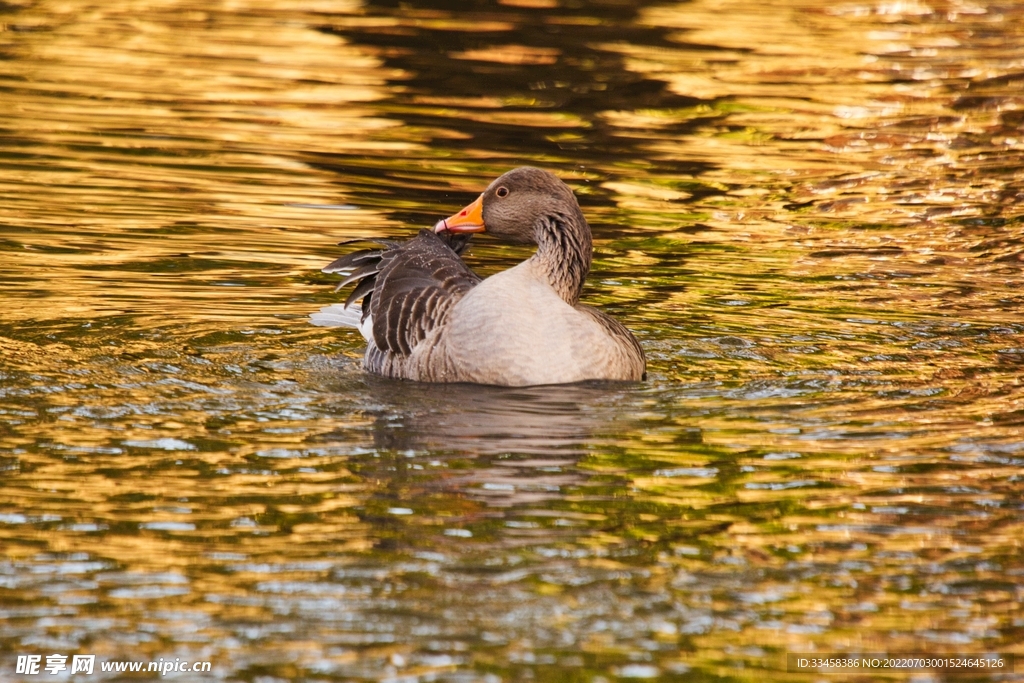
(427, 317)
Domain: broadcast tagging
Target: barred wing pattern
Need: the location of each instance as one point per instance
(407, 288)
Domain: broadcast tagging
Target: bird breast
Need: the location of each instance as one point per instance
(514, 329)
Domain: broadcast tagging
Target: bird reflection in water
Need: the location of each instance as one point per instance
(512, 445)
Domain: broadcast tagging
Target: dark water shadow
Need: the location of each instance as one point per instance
(553, 71)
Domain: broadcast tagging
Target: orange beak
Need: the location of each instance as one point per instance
(470, 219)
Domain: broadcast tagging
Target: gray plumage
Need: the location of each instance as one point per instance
(426, 316)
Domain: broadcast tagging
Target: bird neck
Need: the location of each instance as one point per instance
(564, 249)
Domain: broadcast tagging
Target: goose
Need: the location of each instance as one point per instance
(427, 317)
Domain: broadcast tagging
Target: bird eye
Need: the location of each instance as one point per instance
(502, 192)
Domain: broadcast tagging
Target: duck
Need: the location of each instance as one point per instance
(427, 317)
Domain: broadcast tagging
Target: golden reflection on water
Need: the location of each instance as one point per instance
(178, 123)
(809, 212)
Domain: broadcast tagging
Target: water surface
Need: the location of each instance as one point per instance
(810, 214)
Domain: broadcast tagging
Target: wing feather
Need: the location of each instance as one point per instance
(367, 269)
(407, 288)
(362, 290)
(356, 258)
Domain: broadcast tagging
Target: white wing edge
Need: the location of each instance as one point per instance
(336, 315)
